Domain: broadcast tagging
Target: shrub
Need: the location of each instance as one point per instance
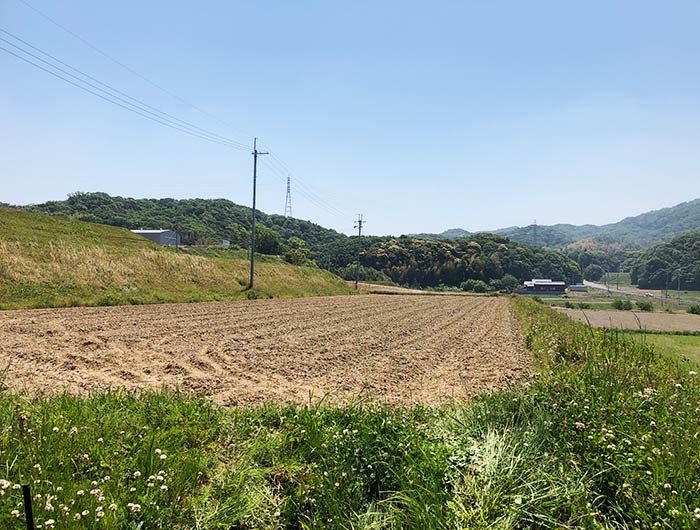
(694, 309)
(584, 305)
(645, 305)
(475, 286)
(538, 299)
(568, 305)
(623, 305)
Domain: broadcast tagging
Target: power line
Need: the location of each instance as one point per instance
(111, 88)
(125, 66)
(117, 103)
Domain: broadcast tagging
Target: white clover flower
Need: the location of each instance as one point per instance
(158, 451)
(4, 484)
(164, 488)
(137, 474)
(37, 468)
(112, 507)
(49, 523)
(80, 493)
(163, 456)
(59, 489)
(132, 489)
(14, 513)
(100, 440)
(77, 517)
(55, 429)
(85, 513)
(73, 430)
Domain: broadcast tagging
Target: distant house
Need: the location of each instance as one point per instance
(543, 286)
(162, 237)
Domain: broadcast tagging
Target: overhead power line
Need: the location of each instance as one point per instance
(147, 111)
(110, 88)
(124, 66)
(117, 100)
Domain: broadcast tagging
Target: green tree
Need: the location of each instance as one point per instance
(267, 240)
(593, 272)
(297, 253)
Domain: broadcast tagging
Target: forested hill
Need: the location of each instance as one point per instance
(199, 221)
(640, 231)
(425, 262)
(664, 265)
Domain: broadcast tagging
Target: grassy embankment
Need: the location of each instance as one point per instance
(605, 437)
(48, 261)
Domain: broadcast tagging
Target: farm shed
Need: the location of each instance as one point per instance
(543, 286)
(162, 237)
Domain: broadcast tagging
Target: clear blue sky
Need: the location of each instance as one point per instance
(422, 116)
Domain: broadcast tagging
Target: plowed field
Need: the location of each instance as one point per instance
(397, 349)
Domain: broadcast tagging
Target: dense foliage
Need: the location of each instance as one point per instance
(199, 221)
(427, 262)
(669, 264)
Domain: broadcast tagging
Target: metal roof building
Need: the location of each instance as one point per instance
(162, 237)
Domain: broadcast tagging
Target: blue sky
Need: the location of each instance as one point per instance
(423, 117)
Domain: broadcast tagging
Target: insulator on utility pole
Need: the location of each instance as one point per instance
(252, 231)
(358, 225)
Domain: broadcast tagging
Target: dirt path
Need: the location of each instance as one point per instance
(628, 320)
(398, 349)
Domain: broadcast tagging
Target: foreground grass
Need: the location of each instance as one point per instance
(605, 436)
(51, 262)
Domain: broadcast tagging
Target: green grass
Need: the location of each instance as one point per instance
(604, 436)
(685, 347)
(614, 278)
(52, 262)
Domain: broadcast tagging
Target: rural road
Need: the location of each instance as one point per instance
(602, 287)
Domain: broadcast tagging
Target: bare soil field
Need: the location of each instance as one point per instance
(628, 320)
(396, 349)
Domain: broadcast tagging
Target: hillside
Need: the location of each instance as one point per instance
(632, 232)
(47, 261)
(426, 262)
(663, 265)
(199, 221)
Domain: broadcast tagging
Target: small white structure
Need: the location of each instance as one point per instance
(225, 243)
(162, 237)
(544, 285)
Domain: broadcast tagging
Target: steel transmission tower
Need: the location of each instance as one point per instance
(288, 201)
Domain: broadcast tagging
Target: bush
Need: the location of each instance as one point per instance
(475, 286)
(623, 305)
(584, 305)
(645, 305)
(568, 305)
(538, 299)
(694, 309)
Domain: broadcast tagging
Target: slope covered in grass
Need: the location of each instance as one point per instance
(48, 261)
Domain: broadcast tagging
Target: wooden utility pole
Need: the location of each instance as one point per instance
(252, 231)
(358, 225)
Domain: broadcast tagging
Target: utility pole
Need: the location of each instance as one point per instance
(358, 225)
(252, 231)
(288, 200)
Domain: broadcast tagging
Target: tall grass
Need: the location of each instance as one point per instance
(604, 436)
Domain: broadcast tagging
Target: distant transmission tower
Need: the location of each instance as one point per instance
(288, 201)
(534, 234)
